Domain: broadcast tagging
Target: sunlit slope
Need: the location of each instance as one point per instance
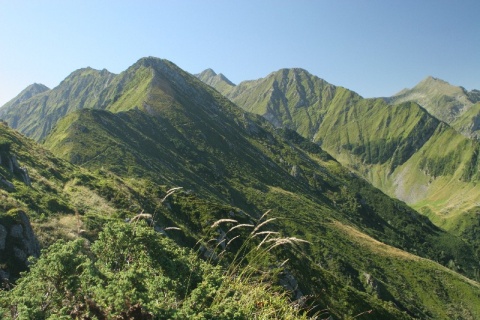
(400, 148)
(26, 94)
(36, 116)
(446, 102)
(291, 98)
(218, 81)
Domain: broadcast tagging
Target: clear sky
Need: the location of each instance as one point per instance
(374, 47)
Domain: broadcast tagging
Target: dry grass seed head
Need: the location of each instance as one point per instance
(242, 225)
(264, 232)
(172, 228)
(263, 215)
(262, 224)
(232, 240)
(263, 241)
(281, 241)
(222, 221)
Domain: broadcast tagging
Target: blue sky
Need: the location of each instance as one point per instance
(375, 47)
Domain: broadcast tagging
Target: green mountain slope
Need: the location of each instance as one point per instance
(399, 148)
(218, 81)
(291, 98)
(36, 116)
(69, 203)
(446, 102)
(26, 94)
(155, 125)
(200, 141)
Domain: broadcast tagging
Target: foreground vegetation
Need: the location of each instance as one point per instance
(131, 271)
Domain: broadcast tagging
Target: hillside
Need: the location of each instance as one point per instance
(451, 104)
(160, 127)
(400, 148)
(36, 116)
(26, 94)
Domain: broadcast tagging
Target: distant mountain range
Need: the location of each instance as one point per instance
(418, 146)
(117, 143)
(454, 105)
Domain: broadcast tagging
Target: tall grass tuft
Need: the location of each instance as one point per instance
(249, 279)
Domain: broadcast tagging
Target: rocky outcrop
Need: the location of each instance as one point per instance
(11, 163)
(4, 182)
(17, 243)
(288, 281)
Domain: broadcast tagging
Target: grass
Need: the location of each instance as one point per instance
(373, 245)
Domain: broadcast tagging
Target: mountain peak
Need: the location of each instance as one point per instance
(148, 61)
(87, 72)
(430, 80)
(218, 81)
(290, 71)
(38, 87)
(27, 93)
(443, 100)
(206, 73)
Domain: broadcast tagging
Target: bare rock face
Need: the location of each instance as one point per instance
(17, 243)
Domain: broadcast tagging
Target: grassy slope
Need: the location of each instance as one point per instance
(218, 81)
(345, 204)
(260, 179)
(400, 149)
(446, 102)
(36, 116)
(26, 94)
(101, 196)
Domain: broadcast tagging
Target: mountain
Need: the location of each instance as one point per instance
(218, 81)
(154, 125)
(291, 98)
(36, 116)
(453, 105)
(26, 94)
(400, 148)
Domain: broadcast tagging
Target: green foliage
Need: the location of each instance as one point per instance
(133, 269)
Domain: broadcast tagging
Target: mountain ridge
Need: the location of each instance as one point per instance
(218, 81)
(155, 125)
(379, 140)
(448, 103)
(25, 94)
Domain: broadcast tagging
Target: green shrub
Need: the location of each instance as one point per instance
(133, 270)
